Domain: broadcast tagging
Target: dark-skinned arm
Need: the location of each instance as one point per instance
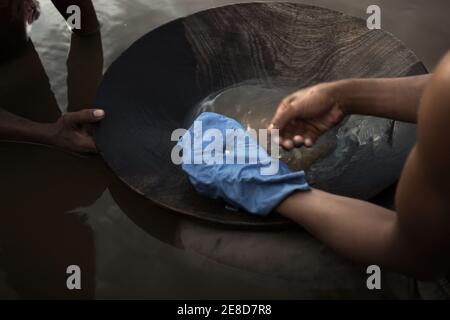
(396, 98)
(415, 239)
(68, 132)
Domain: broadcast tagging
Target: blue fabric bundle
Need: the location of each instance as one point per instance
(238, 178)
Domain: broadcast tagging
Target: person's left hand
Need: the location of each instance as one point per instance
(32, 10)
(70, 132)
(24, 9)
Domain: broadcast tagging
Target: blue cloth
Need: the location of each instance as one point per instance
(240, 184)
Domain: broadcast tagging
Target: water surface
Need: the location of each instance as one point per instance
(57, 209)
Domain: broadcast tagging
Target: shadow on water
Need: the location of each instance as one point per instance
(43, 229)
(158, 222)
(25, 88)
(40, 233)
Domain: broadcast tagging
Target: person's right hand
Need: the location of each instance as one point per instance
(306, 114)
(70, 132)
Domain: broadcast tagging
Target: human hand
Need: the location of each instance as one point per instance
(70, 131)
(305, 115)
(23, 9)
(32, 10)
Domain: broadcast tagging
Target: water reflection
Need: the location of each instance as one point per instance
(84, 71)
(253, 106)
(41, 233)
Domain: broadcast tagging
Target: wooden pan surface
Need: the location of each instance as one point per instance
(156, 86)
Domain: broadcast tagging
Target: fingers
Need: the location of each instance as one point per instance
(309, 142)
(31, 9)
(299, 133)
(287, 144)
(285, 113)
(74, 135)
(308, 133)
(293, 132)
(287, 136)
(84, 116)
(298, 140)
(281, 120)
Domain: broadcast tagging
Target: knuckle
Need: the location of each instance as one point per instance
(65, 116)
(285, 105)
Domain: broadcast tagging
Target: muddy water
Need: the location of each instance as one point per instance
(57, 209)
(238, 102)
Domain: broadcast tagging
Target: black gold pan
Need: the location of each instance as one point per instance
(240, 60)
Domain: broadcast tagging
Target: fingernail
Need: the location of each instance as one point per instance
(99, 113)
(276, 140)
(298, 139)
(288, 144)
(308, 142)
(270, 127)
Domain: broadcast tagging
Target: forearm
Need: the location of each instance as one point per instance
(396, 98)
(15, 128)
(359, 230)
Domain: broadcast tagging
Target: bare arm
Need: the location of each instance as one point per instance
(361, 231)
(396, 98)
(69, 132)
(15, 128)
(306, 114)
(414, 240)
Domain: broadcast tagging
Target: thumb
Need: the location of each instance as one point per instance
(85, 116)
(285, 113)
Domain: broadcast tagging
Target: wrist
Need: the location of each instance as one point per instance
(289, 207)
(43, 133)
(340, 91)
